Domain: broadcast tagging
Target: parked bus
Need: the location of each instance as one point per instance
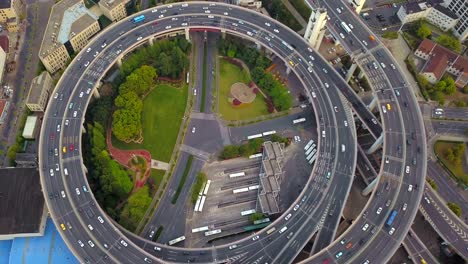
(200, 208)
(197, 204)
(313, 159)
(213, 232)
(309, 151)
(254, 156)
(254, 187)
(345, 27)
(248, 212)
(308, 145)
(177, 240)
(261, 221)
(235, 175)
(391, 218)
(269, 133)
(200, 229)
(207, 187)
(299, 120)
(255, 136)
(271, 230)
(241, 190)
(310, 156)
(138, 19)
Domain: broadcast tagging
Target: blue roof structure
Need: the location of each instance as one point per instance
(70, 16)
(47, 249)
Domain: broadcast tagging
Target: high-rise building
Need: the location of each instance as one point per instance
(460, 8)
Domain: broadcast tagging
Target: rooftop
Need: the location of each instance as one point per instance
(37, 85)
(26, 160)
(67, 18)
(30, 126)
(4, 43)
(415, 7)
(5, 4)
(446, 11)
(22, 202)
(436, 66)
(109, 4)
(441, 54)
(270, 176)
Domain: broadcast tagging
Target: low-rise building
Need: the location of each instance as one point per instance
(114, 10)
(250, 3)
(440, 60)
(3, 60)
(69, 29)
(26, 160)
(29, 131)
(41, 87)
(271, 173)
(10, 12)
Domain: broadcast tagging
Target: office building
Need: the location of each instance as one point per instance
(69, 29)
(41, 87)
(460, 8)
(10, 12)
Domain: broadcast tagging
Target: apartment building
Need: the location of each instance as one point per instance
(440, 60)
(69, 29)
(10, 12)
(114, 10)
(460, 8)
(41, 87)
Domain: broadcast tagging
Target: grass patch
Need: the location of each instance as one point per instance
(441, 148)
(228, 75)
(157, 176)
(302, 8)
(390, 35)
(197, 187)
(163, 109)
(158, 233)
(182, 181)
(203, 94)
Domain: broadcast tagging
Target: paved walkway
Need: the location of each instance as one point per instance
(123, 157)
(159, 165)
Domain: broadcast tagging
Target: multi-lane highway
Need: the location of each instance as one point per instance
(94, 238)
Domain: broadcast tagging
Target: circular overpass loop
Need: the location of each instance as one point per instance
(75, 209)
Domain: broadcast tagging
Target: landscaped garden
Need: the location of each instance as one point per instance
(229, 109)
(452, 154)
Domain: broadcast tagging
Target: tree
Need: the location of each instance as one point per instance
(465, 89)
(449, 42)
(256, 216)
(230, 151)
(450, 155)
(135, 208)
(256, 144)
(432, 183)
(126, 124)
(455, 208)
(423, 31)
(246, 150)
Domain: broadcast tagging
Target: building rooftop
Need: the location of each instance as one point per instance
(270, 176)
(5, 43)
(110, 4)
(436, 66)
(22, 202)
(30, 126)
(24, 160)
(446, 11)
(37, 85)
(5, 4)
(66, 20)
(415, 7)
(442, 56)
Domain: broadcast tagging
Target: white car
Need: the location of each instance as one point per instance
(364, 228)
(345, 123)
(75, 113)
(123, 243)
(207, 11)
(194, 91)
(184, 24)
(57, 167)
(63, 194)
(386, 160)
(51, 171)
(95, 54)
(77, 190)
(161, 16)
(391, 231)
(287, 217)
(100, 219)
(311, 57)
(88, 50)
(276, 30)
(314, 95)
(324, 70)
(154, 10)
(193, 129)
(410, 188)
(81, 94)
(384, 110)
(296, 207)
(407, 169)
(88, 90)
(118, 51)
(232, 246)
(427, 200)
(405, 205)
(86, 64)
(350, 26)
(374, 121)
(91, 244)
(365, 43)
(393, 66)
(103, 45)
(58, 128)
(267, 24)
(56, 96)
(139, 38)
(255, 238)
(326, 85)
(174, 19)
(379, 210)
(338, 10)
(80, 243)
(90, 227)
(168, 27)
(342, 35)
(383, 65)
(67, 122)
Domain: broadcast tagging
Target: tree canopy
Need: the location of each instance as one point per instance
(135, 208)
(449, 42)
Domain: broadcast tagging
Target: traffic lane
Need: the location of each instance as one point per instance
(450, 127)
(210, 67)
(455, 113)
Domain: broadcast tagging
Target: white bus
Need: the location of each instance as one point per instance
(177, 240)
(212, 232)
(235, 175)
(241, 190)
(207, 187)
(254, 187)
(269, 133)
(202, 203)
(261, 221)
(345, 27)
(299, 120)
(313, 159)
(254, 156)
(197, 204)
(202, 188)
(308, 145)
(255, 136)
(271, 230)
(310, 156)
(200, 229)
(248, 212)
(309, 151)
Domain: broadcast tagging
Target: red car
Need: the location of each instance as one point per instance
(326, 261)
(51, 136)
(71, 147)
(349, 245)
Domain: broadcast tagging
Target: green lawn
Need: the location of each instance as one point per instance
(163, 110)
(440, 148)
(230, 74)
(157, 176)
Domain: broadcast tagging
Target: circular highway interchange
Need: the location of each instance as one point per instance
(107, 244)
